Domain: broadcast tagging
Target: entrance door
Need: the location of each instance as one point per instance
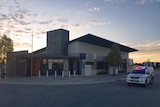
(88, 70)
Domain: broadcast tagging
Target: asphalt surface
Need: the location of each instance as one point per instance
(110, 91)
(116, 93)
(51, 80)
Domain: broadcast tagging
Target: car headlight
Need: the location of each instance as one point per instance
(143, 77)
(128, 77)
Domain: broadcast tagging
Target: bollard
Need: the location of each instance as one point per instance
(69, 73)
(55, 73)
(62, 74)
(47, 73)
(74, 73)
(39, 74)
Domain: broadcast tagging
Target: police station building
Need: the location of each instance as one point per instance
(86, 56)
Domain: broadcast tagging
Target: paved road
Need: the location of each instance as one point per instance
(51, 80)
(106, 94)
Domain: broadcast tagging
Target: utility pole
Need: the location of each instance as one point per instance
(32, 42)
(32, 53)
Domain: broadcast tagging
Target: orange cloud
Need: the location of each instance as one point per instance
(148, 50)
(21, 46)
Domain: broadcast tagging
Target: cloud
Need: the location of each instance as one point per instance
(7, 32)
(95, 23)
(18, 12)
(91, 7)
(46, 22)
(89, 23)
(21, 46)
(146, 1)
(115, 1)
(18, 17)
(12, 27)
(64, 26)
(4, 17)
(2, 7)
(3, 0)
(153, 46)
(28, 29)
(148, 50)
(20, 31)
(62, 20)
(95, 9)
(137, 1)
(23, 23)
(16, 2)
(87, 4)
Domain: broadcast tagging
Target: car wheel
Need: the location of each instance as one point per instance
(151, 81)
(129, 84)
(145, 85)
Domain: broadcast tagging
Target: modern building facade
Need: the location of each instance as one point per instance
(86, 55)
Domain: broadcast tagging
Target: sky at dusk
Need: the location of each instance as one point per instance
(134, 23)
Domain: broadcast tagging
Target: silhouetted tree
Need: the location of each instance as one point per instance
(114, 57)
(6, 45)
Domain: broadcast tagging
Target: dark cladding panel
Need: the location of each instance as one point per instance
(57, 42)
(65, 40)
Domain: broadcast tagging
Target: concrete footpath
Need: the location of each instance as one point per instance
(51, 80)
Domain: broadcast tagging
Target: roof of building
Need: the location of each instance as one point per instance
(95, 40)
(58, 30)
(39, 51)
(45, 55)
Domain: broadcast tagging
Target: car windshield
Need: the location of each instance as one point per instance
(138, 71)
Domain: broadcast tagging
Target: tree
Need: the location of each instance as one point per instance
(114, 57)
(6, 46)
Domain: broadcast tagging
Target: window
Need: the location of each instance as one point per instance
(101, 65)
(139, 71)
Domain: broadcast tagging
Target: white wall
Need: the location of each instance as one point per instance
(81, 47)
(124, 55)
(92, 52)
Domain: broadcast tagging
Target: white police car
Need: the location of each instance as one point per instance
(140, 75)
